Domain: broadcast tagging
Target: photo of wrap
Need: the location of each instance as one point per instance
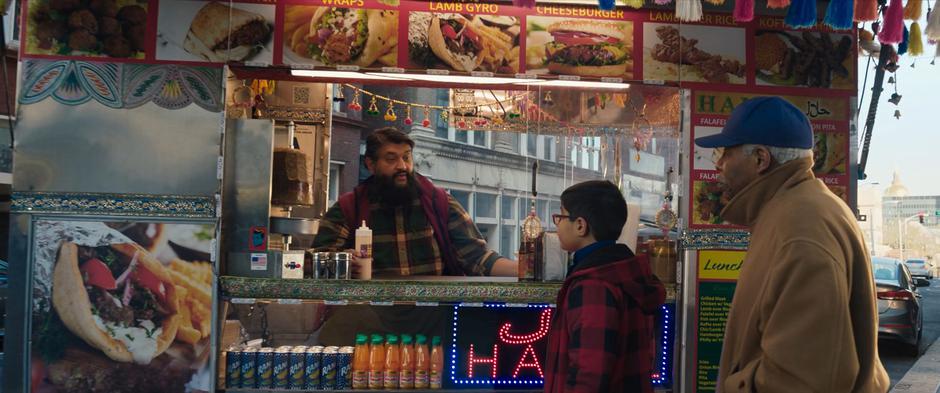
(121, 306)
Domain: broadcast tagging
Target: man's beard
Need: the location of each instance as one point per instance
(384, 189)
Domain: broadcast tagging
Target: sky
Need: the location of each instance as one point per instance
(910, 144)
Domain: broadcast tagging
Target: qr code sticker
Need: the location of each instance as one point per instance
(301, 95)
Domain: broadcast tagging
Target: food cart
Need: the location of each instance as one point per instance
(177, 167)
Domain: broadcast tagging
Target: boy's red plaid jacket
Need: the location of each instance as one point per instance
(601, 337)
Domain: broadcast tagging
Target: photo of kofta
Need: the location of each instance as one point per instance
(112, 28)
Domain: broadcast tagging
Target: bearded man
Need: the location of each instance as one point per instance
(417, 228)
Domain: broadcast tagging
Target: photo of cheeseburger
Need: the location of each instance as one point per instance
(340, 36)
(580, 47)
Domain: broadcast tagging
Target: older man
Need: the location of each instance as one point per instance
(804, 316)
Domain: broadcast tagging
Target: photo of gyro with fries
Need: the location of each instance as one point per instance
(464, 42)
(119, 299)
(340, 36)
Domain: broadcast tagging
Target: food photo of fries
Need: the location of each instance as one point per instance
(464, 42)
(340, 36)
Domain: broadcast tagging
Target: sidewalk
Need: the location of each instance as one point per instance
(924, 376)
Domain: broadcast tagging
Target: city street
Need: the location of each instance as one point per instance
(892, 355)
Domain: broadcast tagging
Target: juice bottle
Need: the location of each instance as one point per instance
(360, 366)
(407, 378)
(437, 362)
(392, 362)
(377, 363)
(422, 362)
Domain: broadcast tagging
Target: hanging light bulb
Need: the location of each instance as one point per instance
(897, 114)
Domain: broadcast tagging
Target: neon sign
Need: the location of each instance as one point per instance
(497, 344)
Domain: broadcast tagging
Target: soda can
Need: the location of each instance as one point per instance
(265, 368)
(297, 368)
(312, 361)
(344, 368)
(328, 368)
(281, 368)
(249, 368)
(233, 367)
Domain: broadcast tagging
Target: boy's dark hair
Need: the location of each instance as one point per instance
(600, 203)
(384, 136)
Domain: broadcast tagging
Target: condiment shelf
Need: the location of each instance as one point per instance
(355, 291)
(395, 291)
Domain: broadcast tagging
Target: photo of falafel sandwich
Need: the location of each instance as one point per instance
(213, 39)
(217, 32)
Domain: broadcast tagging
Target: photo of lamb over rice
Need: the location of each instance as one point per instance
(809, 59)
(715, 55)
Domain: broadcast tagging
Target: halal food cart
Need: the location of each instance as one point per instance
(172, 165)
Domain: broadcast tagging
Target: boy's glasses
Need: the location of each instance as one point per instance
(556, 218)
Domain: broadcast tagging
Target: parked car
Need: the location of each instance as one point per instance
(919, 268)
(899, 309)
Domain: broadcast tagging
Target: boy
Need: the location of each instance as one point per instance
(601, 337)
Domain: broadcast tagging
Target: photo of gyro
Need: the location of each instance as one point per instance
(464, 42)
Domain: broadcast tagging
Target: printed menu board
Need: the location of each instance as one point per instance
(829, 117)
(717, 280)
(501, 39)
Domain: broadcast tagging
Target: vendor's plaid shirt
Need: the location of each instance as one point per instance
(403, 240)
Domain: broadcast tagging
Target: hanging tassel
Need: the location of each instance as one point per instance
(778, 4)
(913, 10)
(802, 14)
(690, 10)
(916, 46)
(606, 5)
(743, 10)
(662, 2)
(892, 30)
(866, 10)
(933, 23)
(902, 47)
(839, 14)
(628, 3)
(527, 3)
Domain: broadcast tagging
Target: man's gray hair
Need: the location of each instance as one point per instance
(781, 155)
